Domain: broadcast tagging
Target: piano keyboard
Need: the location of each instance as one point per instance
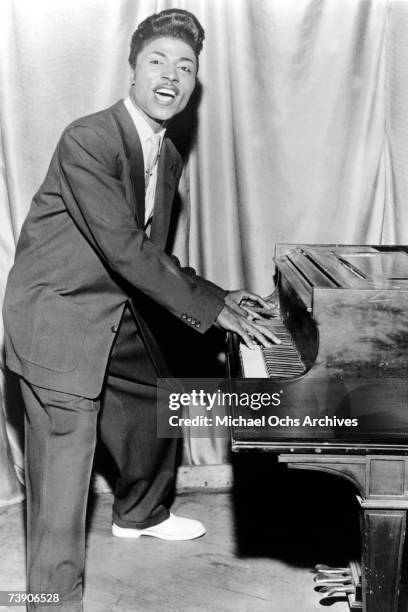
(278, 361)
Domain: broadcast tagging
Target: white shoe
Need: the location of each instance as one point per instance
(173, 528)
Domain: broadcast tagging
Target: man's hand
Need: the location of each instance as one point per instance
(236, 319)
(255, 306)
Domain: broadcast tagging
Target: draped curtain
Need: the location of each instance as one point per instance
(300, 132)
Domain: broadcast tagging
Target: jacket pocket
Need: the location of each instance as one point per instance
(59, 332)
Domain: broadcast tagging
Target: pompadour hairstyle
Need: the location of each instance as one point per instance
(175, 23)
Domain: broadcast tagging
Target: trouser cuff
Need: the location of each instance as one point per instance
(155, 520)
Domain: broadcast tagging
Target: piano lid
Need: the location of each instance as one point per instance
(388, 266)
(347, 267)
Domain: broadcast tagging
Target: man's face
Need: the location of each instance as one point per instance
(164, 79)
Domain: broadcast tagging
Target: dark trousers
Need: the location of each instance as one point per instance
(61, 431)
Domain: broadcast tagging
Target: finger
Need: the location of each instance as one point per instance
(247, 339)
(259, 307)
(264, 332)
(264, 325)
(247, 332)
(250, 313)
(266, 315)
(259, 339)
(257, 299)
(255, 337)
(261, 313)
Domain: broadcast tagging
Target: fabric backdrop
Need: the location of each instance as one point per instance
(297, 133)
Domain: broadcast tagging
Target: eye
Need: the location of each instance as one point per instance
(185, 69)
(154, 61)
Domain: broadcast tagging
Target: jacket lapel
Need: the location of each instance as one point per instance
(167, 178)
(134, 153)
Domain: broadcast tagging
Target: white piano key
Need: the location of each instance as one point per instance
(278, 361)
(253, 364)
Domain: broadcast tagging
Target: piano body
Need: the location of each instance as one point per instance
(343, 359)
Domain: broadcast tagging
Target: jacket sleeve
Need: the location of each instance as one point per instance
(193, 274)
(95, 198)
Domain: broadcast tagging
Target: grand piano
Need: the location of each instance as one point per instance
(341, 375)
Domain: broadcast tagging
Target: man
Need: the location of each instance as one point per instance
(90, 265)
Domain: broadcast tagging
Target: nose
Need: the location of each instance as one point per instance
(170, 72)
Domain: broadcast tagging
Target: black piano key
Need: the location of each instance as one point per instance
(282, 360)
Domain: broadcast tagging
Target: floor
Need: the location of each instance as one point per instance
(246, 562)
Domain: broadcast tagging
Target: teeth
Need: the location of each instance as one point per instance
(166, 92)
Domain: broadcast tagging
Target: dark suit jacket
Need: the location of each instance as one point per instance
(82, 255)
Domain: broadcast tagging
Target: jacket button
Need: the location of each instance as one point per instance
(184, 316)
(189, 319)
(198, 324)
(114, 329)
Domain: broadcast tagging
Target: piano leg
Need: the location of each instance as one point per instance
(383, 542)
(382, 483)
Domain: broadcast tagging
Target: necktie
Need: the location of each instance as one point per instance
(152, 157)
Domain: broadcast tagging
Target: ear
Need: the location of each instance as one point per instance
(131, 77)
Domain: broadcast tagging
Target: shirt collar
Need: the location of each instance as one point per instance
(143, 128)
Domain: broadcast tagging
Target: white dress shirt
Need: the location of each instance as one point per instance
(145, 132)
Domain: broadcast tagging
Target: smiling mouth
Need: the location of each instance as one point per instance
(165, 94)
